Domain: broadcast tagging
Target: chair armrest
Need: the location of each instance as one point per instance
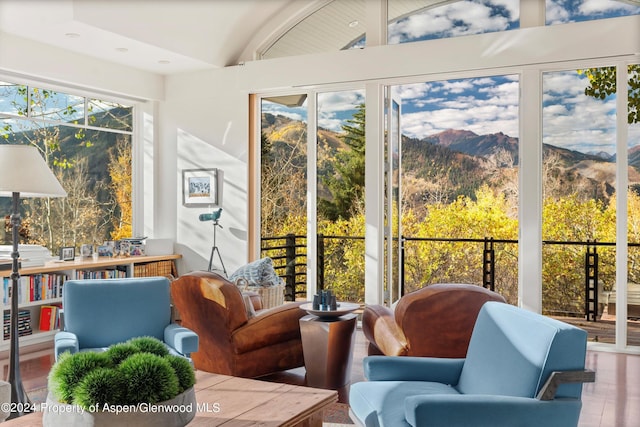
(548, 390)
(65, 341)
(380, 328)
(442, 410)
(274, 325)
(407, 368)
(182, 339)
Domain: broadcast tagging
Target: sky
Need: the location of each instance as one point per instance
(490, 104)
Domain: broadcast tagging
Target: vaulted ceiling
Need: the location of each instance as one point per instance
(161, 36)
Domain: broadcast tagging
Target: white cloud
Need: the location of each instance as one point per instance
(454, 19)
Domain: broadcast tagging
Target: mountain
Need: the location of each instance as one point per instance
(469, 142)
(455, 162)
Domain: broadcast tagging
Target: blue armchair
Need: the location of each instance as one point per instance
(521, 369)
(98, 313)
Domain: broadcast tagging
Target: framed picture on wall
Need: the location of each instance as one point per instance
(201, 187)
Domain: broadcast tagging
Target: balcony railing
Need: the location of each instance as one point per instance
(290, 261)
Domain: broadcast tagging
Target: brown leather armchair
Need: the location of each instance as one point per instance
(435, 321)
(231, 342)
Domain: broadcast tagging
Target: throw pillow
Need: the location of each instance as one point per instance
(258, 273)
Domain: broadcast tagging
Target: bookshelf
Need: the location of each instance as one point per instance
(42, 286)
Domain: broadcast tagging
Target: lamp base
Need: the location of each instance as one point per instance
(20, 403)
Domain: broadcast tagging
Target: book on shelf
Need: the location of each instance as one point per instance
(49, 317)
(35, 287)
(24, 323)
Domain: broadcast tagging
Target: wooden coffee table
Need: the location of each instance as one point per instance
(232, 401)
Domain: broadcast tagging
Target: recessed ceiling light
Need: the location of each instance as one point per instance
(72, 35)
(164, 61)
(354, 23)
(122, 49)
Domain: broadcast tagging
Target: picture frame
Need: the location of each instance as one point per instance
(125, 248)
(202, 187)
(86, 251)
(105, 250)
(67, 253)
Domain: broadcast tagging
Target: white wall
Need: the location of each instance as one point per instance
(205, 125)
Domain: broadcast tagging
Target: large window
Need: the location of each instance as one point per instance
(460, 181)
(581, 192)
(411, 21)
(579, 182)
(563, 11)
(87, 143)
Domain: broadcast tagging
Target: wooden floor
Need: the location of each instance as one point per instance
(612, 401)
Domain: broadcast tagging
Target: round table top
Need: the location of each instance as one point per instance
(343, 308)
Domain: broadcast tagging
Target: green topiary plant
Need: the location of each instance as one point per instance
(149, 378)
(68, 371)
(149, 345)
(118, 352)
(100, 386)
(184, 371)
(125, 374)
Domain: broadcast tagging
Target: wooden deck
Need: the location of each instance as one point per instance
(604, 329)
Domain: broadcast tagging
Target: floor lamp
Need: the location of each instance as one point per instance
(23, 172)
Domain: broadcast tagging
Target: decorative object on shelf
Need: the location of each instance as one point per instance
(214, 216)
(23, 172)
(67, 254)
(202, 187)
(154, 386)
(132, 246)
(86, 251)
(125, 248)
(105, 250)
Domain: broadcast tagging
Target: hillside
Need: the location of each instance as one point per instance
(443, 166)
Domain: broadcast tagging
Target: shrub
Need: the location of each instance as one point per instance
(149, 345)
(100, 386)
(183, 370)
(149, 378)
(125, 374)
(70, 369)
(118, 352)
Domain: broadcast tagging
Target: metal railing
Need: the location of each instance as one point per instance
(290, 261)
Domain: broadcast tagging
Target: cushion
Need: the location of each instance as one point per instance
(258, 273)
(382, 403)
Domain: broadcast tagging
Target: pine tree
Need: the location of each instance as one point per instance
(346, 184)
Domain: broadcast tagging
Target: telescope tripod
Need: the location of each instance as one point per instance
(215, 250)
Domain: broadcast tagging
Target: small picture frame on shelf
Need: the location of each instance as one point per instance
(86, 251)
(125, 248)
(137, 250)
(105, 250)
(67, 253)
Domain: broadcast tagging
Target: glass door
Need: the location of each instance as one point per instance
(392, 189)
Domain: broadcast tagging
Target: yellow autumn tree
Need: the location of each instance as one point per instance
(121, 184)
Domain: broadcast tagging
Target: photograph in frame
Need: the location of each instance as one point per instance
(201, 187)
(67, 253)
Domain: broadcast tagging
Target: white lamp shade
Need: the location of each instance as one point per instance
(23, 170)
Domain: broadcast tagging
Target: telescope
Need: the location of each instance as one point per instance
(213, 216)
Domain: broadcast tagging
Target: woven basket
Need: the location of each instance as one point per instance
(271, 296)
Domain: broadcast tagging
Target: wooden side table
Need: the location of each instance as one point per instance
(327, 344)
